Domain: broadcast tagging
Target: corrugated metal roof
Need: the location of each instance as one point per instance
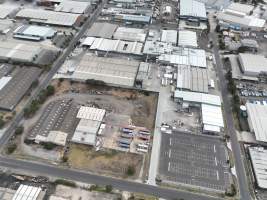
(91, 113)
(130, 34)
(7, 10)
(257, 116)
(212, 115)
(252, 63)
(169, 36)
(27, 192)
(192, 8)
(187, 38)
(69, 6)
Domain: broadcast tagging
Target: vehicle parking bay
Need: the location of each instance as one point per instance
(194, 160)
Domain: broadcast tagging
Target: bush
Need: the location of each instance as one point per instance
(130, 170)
(48, 145)
(65, 182)
(2, 123)
(11, 148)
(109, 188)
(50, 90)
(19, 130)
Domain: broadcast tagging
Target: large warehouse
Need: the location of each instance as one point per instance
(19, 52)
(8, 11)
(32, 32)
(192, 9)
(112, 71)
(192, 79)
(185, 56)
(77, 7)
(130, 34)
(169, 36)
(251, 64)
(257, 118)
(258, 159)
(101, 30)
(187, 38)
(90, 121)
(50, 17)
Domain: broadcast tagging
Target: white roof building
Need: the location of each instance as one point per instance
(197, 98)
(6, 11)
(186, 56)
(78, 7)
(258, 157)
(49, 17)
(27, 192)
(192, 8)
(187, 38)
(169, 36)
(257, 118)
(239, 9)
(130, 34)
(101, 30)
(33, 32)
(88, 41)
(90, 121)
(252, 65)
(118, 46)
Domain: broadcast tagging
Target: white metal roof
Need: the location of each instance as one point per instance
(49, 17)
(57, 137)
(238, 7)
(6, 10)
(88, 41)
(102, 30)
(186, 56)
(69, 6)
(257, 116)
(192, 8)
(26, 192)
(258, 157)
(169, 36)
(4, 80)
(196, 97)
(91, 113)
(212, 115)
(253, 63)
(33, 30)
(187, 38)
(130, 34)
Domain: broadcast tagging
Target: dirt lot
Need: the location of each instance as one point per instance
(107, 162)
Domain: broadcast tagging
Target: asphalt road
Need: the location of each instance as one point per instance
(239, 165)
(41, 169)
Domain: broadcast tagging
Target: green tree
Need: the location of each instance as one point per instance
(109, 188)
(19, 130)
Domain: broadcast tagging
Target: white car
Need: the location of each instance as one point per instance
(265, 36)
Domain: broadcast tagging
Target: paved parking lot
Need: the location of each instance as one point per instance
(194, 160)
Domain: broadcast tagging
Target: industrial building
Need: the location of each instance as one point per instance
(101, 30)
(5, 26)
(210, 105)
(143, 74)
(32, 32)
(12, 90)
(90, 121)
(130, 34)
(258, 159)
(117, 46)
(137, 11)
(185, 56)
(156, 48)
(192, 79)
(257, 118)
(8, 11)
(28, 192)
(238, 16)
(76, 7)
(252, 65)
(138, 19)
(19, 52)
(112, 71)
(187, 38)
(50, 17)
(192, 9)
(169, 36)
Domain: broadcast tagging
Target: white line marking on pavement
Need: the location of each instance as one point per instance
(170, 152)
(215, 159)
(218, 175)
(169, 166)
(170, 141)
(214, 149)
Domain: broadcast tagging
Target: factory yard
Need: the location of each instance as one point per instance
(57, 122)
(194, 160)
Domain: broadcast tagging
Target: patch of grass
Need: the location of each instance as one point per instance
(65, 182)
(11, 148)
(130, 170)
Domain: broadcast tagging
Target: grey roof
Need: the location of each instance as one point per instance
(5, 24)
(192, 8)
(48, 17)
(130, 34)
(252, 63)
(192, 78)
(258, 157)
(34, 31)
(15, 89)
(242, 8)
(110, 70)
(5, 11)
(187, 38)
(69, 6)
(102, 30)
(257, 117)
